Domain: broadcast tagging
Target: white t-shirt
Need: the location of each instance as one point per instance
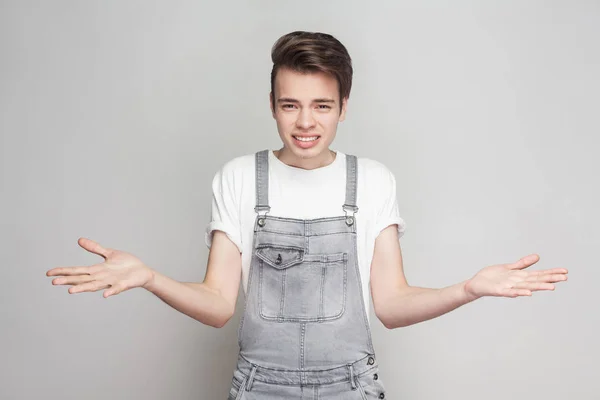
(306, 194)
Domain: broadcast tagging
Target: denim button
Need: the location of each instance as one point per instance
(278, 261)
(375, 377)
(349, 221)
(261, 221)
(370, 361)
(381, 395)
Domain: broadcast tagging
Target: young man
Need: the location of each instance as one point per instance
(308, 230)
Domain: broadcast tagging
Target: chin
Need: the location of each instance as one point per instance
(319, 147)
(308, 153)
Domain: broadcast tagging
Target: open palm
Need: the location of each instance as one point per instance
(511, 280)
(119, 272)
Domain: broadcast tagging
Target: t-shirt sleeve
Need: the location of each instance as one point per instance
(388, 213)
(225, 214)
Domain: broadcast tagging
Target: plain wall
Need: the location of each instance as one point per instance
(115, 115)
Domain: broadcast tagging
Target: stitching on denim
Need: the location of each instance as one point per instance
(248, 287)
(329, 381)
(333, 233)
(345, 286)
(256, 177)
(264, 255)
(321, 306)
(307, 220)
(326, 382)
(288, 233)
(361, 389)
(351, 377)
(278, 246)
(270, 230)
(336, 258)
(250, 378)
(282, 300)
(241, 389)
(363, 310)
(359, 361)
(260, 284)
(282, 318)
(305, 256)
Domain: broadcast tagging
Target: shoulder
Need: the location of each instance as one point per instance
(376, 183)
(237, 166)
(374, 172)
(235, 174)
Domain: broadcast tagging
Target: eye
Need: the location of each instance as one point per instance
(324, 107)
(287, 106)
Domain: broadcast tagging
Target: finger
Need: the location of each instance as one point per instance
(534, 286)
(515, 292)
(72, 280)
(547, 278)
(93, 247)
(549, 271)
(525, 262)
(70, 271)
(89, 287)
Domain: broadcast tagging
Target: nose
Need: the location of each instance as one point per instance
(305, 119)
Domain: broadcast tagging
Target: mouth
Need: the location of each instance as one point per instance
(306, 141)
(306, 138)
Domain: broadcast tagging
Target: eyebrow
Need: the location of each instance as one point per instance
(290, 100)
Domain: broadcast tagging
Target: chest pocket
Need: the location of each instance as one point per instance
(299, 287)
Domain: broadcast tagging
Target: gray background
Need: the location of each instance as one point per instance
(115, 115)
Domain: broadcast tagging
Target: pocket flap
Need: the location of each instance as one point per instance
(280, 257)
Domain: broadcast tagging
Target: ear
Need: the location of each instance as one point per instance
(271, 104)
(344, 107)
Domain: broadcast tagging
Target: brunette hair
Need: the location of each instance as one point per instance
(307, 52)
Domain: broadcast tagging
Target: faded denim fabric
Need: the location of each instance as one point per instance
(304, 333)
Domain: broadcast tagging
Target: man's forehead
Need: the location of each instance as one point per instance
(312, 86)
(286, 99)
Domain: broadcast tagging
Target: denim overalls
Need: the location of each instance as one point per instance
(304, 333)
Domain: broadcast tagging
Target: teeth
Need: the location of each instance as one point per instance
(309, 139)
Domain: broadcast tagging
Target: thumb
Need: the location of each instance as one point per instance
(93, 247)
(525, 262)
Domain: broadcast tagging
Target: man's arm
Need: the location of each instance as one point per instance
(396, 303)
(211, 302)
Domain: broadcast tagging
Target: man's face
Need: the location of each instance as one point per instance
(306, 105)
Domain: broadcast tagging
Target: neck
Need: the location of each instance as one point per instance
(321, 160)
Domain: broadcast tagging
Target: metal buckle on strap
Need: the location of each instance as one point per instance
(261, 217)
(349, 219)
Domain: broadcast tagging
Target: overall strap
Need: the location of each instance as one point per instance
(262, 181)
(351, 179)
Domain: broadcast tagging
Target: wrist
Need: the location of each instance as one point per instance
(150, 283)
(467, 291)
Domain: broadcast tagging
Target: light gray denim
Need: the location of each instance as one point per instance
(304, 333)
